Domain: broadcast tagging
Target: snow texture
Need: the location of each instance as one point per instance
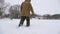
(8, 26)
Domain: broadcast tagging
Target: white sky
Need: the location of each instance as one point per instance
(41, 6)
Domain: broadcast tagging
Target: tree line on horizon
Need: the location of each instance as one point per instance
(14, 13)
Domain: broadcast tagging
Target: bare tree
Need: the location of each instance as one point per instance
(14, 11)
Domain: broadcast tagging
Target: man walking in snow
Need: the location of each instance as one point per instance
(26, 7)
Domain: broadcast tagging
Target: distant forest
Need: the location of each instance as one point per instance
(14, 12)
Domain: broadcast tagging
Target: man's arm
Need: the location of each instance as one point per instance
(21, 8)
(31, 8)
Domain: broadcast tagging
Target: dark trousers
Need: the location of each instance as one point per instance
(22, 20)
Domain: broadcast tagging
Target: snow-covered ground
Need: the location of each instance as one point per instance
(8, 26)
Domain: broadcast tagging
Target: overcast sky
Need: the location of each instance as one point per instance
(41, 6)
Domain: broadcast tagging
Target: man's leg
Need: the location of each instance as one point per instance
(28, 21)
(22, 20)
